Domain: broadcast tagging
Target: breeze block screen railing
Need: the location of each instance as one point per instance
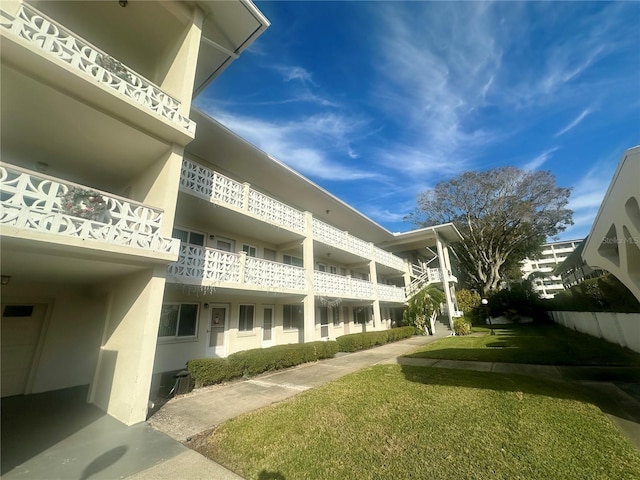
(56, 40)
(49, 205)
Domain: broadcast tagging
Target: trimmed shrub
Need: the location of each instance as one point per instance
(362, 341)
(208, 371)
(461, 326)
(467, 300)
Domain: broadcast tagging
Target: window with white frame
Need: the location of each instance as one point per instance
(245, 320)
(178, 320)
(188, 236)
(250, 250)
(293, 317)
(291, 260)
(333, 269)
(322, 267)
(224, 244)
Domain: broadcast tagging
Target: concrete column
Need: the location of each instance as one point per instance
(125, 363)
(373, 277)
(308, 264)
(444, 272)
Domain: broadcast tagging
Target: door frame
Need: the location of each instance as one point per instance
(217, 351)
(263, 342)
(44, 328)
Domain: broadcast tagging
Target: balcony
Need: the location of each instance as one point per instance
(217, 188)
(333, 285)
(44, 35)
(209, 266)
(46, 205)
(335, 237)
(389, 293)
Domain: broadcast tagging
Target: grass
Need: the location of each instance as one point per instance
(393, 422)
(546, 344)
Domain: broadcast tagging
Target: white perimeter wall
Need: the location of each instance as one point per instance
(620, 328)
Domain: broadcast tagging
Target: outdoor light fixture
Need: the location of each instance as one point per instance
(123, 3)
(4, 279)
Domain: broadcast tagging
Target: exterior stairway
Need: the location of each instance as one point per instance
(442, 326)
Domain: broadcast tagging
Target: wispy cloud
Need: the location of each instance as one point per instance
(290, 73)
(540, 160)
(299, 144)
(574, 123)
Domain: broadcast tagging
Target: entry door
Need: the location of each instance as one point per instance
(218, 322)
(267, 327)
(21, 327)
(324, 322)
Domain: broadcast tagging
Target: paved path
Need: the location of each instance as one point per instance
(183, 417)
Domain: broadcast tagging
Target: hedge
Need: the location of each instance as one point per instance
(209, 371)
(361, 341)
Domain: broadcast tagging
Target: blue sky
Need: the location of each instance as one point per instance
(378, 101)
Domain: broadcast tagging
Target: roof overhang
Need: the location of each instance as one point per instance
(423, 237)
(229, 27)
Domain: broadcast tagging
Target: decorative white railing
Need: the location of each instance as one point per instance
(340, 286)
(274, 274)
(275, 212)
(390, 293)
(214, 187)
(56, 40)
(429, 275)
(388, 258)
(49, 205)
(206, 264)
(202, 263)
(338, 238)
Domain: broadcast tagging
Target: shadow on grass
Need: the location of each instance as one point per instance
(265, 475)
(606, 397)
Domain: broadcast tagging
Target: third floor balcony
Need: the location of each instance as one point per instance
(44, 49)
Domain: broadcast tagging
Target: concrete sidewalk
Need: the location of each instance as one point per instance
(186, 416)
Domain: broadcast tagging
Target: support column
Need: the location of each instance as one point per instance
(308, 261)
(125, 363)
(444, 272)
(373, 277)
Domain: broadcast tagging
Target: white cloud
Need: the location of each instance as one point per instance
(539, 160)
(299, 144)
(574, 123)
(290, 73)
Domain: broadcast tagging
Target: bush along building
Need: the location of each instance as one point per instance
(138, 233)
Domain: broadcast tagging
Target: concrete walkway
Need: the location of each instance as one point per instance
(186, 416)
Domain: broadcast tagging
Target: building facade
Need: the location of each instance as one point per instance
(541, 269)
(614, 241)
(138, 233)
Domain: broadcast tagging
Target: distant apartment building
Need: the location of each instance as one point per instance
(541, 270)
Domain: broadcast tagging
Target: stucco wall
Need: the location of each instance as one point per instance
(620, 328)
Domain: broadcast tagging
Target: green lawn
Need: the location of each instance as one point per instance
(401, 422)
(538, 344)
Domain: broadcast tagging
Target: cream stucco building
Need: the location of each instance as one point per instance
(614, 241)
(138, 233)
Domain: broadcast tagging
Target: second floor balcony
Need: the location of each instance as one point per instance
(210, 266)
(59, 211)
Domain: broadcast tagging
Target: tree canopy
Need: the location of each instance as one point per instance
(504, 215)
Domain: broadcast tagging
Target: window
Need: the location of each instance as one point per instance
(245, 322)
(293, 317)
(249, 250)
(290, 260)
(269, 254)
(322, 267)
(193, 238)
(178, 320)
(333, 269)
(361, 315)
(335, 315)
(224, 244)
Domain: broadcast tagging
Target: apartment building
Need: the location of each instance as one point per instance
(138, 233)
(541, 269)
(96, 99)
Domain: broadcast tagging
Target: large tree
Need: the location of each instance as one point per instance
(504, 215)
